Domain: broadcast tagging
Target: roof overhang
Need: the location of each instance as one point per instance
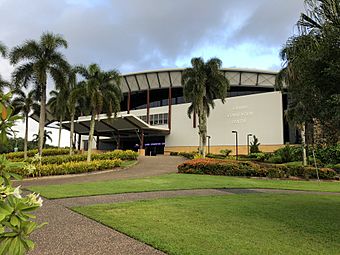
(123, 124)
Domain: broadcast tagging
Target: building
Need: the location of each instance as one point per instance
(154, 117)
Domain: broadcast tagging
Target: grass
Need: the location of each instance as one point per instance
(231, 224)
(175, 182)
(128, 163)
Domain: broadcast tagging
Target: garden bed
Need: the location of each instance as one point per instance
(67, 168)
(252, 169)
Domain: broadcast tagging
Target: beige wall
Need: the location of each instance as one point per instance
(259, 114)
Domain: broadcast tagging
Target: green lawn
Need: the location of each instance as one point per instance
(231, 224)
(174, 182)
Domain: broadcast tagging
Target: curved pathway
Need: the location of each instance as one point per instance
(146, 166)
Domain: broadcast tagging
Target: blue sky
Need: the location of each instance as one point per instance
(137, 35)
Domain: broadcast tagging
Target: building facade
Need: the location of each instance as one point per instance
(154, 116)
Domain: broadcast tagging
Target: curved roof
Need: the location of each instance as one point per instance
(165, 78)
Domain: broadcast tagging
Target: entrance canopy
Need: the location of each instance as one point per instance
(123, 124)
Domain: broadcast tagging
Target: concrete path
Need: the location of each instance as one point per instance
(146, 166)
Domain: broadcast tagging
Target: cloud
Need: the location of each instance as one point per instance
(134, 35)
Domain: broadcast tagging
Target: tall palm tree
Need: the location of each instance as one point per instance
(58, 106)
(38, 60)
(74, 95)
(202, 83)
(318, 26)
(25, 103)
(102, 88)
(3, 53)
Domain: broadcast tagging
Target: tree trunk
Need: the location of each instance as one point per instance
(26, 136)
(71, 133)
(203, 132)
(42, 118)
(303, 137)
(60, 128)
(89, 145)
(202, 126)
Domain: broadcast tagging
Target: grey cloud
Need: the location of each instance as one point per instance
(271, 22)
(134, 35)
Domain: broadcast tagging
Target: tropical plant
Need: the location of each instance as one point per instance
(254, 145)
(202, 83)
(58, 107)
(7, 118)
(102, 89)
(38, 60)
(311, 73)
(16, 223)
(25, 103)
(47, 136)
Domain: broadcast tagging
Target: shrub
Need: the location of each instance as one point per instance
(246, 168)
(225, 152)
(254, 145)
(31, 153)
(259, 156)
(59, 159)
(70, 168)
(173, 153)
(329, 155)
(117, 154)
(216, 156)
(188, 155)
(286, 154)
(335, 167)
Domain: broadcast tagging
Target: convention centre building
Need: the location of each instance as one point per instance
(154, 120)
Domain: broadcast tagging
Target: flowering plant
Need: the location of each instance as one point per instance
(15, 212)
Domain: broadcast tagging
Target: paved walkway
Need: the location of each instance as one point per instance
(146, 166)
(70, 233)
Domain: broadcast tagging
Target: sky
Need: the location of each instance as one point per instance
(138, 35)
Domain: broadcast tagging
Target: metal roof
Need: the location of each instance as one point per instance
(165, 78)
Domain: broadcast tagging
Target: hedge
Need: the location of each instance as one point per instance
(69, 168)
(245, 168)
(117, 154)
(31, 153)
(188, 155)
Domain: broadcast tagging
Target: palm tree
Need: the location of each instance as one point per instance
(25, 103)
(3, 53)
(74, 95)
(202, 83)
(47, 135)
(320, 23)
(38, 60)
(3, 49)
(58, 106)
(102, 89)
